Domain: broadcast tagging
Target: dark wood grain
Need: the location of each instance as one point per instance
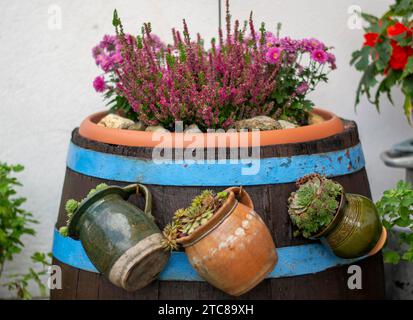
(270, 202)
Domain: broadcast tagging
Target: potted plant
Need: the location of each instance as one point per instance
(247, 78)
(225, 240)
(386, 58)
(122, 241)
(347, 223)
(395, 209)
(184, 81)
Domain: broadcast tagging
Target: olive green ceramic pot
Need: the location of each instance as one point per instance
(122, 241)
(356, 229)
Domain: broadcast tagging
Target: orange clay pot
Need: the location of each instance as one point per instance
(90, 130)
(234, 250)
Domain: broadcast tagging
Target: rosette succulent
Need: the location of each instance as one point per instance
(314, 205)
(186, 221)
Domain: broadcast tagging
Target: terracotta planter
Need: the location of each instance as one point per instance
(122, 241)
(234, 250)
(331, 126)
(356, 230)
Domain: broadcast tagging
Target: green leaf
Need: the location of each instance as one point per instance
(364, 59)
(391, 257)
(408, 256)
(407, 86)
(408, 107)
(384, 51)
(369, 18)
(116, 21)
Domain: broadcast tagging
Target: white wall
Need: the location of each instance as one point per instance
(46, 78)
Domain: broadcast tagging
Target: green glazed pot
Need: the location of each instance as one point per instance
(122, 241)
(356, 230)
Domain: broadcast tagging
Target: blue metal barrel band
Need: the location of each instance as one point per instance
(271, 170)
(292, 261)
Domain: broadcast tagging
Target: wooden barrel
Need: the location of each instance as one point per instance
(91, 162)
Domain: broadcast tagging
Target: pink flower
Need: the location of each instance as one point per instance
(99, 84)
(332, 61)
(302, 88)
(319, 56)
(273, 54)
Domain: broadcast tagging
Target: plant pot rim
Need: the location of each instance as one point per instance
(226, 209)
(88, 202)
(331, 126)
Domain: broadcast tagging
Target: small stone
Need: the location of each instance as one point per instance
(193, 128)
(286, 124)
(138, 126)
(156, 129)
(315, 118)
(260, 122)
(115, 122)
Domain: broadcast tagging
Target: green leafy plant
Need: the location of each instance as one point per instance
(14, 224)
(72, 205)
(14, 220)
(396, 209)
(386, 58)
(313, 206)
(19, 283)
(186, 221)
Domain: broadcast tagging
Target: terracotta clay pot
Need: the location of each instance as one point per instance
(234, 250)
(330, 126)
(356, 230)
(122, 241)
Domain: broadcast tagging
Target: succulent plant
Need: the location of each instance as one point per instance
(186, 221)
(72, 205)
(171, 232)
(313, 206)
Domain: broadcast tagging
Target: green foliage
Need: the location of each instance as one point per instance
(396, 209)
(14, 220)
(14, 224)
(19, 283)
(72, 205)
(186, 221)
(119, 104)
(313, 206)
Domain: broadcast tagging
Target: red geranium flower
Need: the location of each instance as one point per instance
(397, 29)
(371, 39)
(399, 56)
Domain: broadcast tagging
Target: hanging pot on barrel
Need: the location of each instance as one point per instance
(122, 241)
(233, 250)
(348, 224)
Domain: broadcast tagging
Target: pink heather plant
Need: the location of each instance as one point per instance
(212, 89)
(108, 57)
(242, 75)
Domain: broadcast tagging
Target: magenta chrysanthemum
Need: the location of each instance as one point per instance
(319, 56)
(99, 84)
(273, 55)
(302, 88)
